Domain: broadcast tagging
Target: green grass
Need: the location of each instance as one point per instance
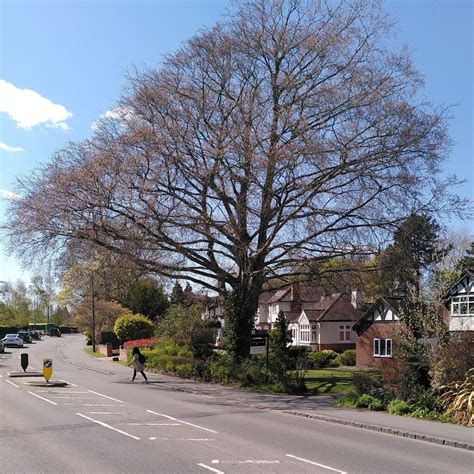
(329, 381)
(93, 354)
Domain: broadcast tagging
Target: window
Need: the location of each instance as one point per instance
(314, 335)
(304, 333)
(293, 335)
(383, 347)
(344, 333)
(462, 305)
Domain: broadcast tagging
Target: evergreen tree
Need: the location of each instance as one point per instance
(467, 262)
(281, 336)
(414, 251)
(177, 294)
(148, 298)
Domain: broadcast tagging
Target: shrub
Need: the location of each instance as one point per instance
(150, 342)
(322, 359)
(347, 358)
(399, 407)
(425, 400)
(182, 325)
(201, 351)
(458, 399)
(133, 326)
(363, 382)
(376, 405)
(184, 370)
(348, 400)
(364, 401)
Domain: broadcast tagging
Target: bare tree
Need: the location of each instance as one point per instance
(287, 132)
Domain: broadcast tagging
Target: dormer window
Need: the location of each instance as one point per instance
(462, 305)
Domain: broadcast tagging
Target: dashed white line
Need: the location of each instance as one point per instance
(42, 398)
(181, 421)
(200, 439)
(105, 425)
(210, 468)
(87, 405)
(106, 396)
(315, 463)
(11, 383)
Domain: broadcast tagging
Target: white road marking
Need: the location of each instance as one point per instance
(181, 421)
(69, 383)
(200, 439)
(11, 383)
(153, 424)
(59, 391)
(42, 398)
(106, 396)
(105, 425)
(87, 405)
(210, 468)
(315, 463)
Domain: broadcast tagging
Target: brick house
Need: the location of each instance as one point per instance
(377, 333)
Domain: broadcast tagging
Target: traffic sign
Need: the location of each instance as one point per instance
(47, 368)
(24, 361)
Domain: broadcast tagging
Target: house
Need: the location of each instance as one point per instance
(318, 317)
(460, 303)
(377, 333)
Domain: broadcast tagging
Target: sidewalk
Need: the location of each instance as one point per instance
(317, 407)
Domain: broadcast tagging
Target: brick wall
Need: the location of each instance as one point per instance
(365, 345)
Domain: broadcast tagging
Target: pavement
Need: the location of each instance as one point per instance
(319, 407)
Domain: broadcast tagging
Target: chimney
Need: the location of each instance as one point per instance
(356, 299)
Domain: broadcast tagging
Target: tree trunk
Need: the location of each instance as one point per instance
(240, 307)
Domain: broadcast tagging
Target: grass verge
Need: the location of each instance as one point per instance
(93, 354)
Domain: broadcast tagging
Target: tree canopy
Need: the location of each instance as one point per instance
(286, 132)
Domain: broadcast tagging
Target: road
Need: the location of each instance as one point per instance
(102, 423)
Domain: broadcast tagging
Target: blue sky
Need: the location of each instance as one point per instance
(73, 57)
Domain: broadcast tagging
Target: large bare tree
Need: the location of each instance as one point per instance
(286, 132)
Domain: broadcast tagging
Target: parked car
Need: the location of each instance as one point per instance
(36, 335)
(2, 347)
(12, 340)
(55, 332)
(25, 335)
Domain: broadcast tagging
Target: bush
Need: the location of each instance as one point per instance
(348, 400)
(363, 382)
(457, 399)
(182, 325)
(399, 407)
(364, 401)
(133, 326)
(322, 359)
(346, 358)
(376, 405)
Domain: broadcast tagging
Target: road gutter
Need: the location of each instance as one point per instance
(386, 430)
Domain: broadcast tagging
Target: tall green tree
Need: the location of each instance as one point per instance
(415, 250)
(177, 294)
(148, 298)
(467, 262)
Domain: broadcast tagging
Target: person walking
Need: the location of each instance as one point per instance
(138, 359)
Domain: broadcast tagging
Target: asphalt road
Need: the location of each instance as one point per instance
(102, 423)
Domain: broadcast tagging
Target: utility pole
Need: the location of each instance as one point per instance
(93, 313)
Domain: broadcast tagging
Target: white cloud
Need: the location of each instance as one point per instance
(8, 194)
(28, 108)
(118, 113)
(11, 149)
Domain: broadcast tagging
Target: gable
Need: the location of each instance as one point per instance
(382, 311)
(303, 319)
(464, 286)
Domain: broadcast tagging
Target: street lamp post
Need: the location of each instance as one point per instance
(93, 313)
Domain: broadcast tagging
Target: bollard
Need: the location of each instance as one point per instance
(24, 361)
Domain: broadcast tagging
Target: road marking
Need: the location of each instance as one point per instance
(210, 468)
(69, 383)
(315, 463)
(105, 425)
(42, 398)
(87, 405)
(102, 395)
(200, 439)
(11, 383)
(152, 424)
(181, 421)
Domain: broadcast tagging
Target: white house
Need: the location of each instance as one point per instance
(460, 297)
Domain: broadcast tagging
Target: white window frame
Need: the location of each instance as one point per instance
(382, 348)
(305, 333)
(462, 306)
(314, 333)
